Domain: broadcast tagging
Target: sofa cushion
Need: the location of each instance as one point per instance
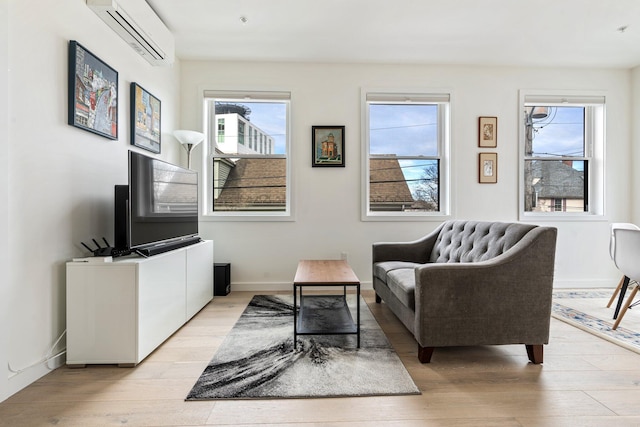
(402, 283)
(381, 269)
(473, 241)
(399, 276)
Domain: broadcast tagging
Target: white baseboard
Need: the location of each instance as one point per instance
(287, 286)
(18, 381)
(584, 284)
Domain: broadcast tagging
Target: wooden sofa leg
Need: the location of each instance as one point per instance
(425, 353)
(378, 299)
(535, 353)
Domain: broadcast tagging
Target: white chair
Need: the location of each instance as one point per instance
(616, 226)
(627, 258)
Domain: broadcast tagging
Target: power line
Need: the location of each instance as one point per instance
(405, 127)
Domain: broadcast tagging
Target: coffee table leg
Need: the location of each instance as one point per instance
(295, 317)
(358, 312)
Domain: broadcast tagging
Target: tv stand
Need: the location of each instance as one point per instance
(119, 312)
(168, 246)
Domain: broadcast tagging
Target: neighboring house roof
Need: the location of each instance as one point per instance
(253, 183)
(388, 185)
(557, 180)
(262, 182)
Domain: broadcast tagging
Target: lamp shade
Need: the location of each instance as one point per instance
(188, 137)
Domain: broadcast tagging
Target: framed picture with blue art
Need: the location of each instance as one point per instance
(93, 93)
(145, 119)
(327, 148)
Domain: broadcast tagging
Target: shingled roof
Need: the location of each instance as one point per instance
(388, 189)
(261, 184)
(557, 180)
(254, 184)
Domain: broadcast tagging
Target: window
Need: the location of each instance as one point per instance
(240, 130)
(558, 205)
(406, 142)
(562, 149)
(220, 130)
(246, 179)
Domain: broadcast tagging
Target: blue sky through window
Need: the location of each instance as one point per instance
(560, 134)
(403, 130)
(271, 117)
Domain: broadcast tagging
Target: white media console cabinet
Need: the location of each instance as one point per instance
(119, 312)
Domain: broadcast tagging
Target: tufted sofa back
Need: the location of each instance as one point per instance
(473, 241)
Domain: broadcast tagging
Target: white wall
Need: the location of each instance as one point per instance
(635, 150)
(4, 187)
(264, 255)
(59, 180)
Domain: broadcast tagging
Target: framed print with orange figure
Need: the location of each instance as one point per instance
(327, 147)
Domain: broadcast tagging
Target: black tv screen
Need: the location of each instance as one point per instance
(163, 203)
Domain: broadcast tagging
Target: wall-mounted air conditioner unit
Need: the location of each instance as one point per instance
(137, 23)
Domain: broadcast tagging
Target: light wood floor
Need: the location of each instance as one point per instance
(585, 381)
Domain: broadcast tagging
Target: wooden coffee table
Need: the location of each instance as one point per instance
(324, 314)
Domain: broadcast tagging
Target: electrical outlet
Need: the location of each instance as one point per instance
(343, 256)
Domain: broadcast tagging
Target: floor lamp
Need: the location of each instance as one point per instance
(188, 139)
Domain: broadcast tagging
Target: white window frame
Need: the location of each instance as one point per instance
(404, 96)
(210, 125)
(594, 135)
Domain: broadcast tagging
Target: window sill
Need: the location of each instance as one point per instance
(247, 217)
(407, 217)
(561, 217)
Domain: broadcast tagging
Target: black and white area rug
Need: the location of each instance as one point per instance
(257, 359)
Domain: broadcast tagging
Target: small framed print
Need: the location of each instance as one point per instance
(327, 146)
(488, 132)
(488, 168)
(145, 119)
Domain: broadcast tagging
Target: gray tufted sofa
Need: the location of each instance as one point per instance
(471, 283)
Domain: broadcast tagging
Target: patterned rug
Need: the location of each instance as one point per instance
(257, 359)
(587, 310)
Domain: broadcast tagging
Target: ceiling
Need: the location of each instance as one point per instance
(555, 33)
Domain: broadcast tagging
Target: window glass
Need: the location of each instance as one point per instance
(563, 139)
(556, 131)
(248, 177)
(403, 130)
(405, 146)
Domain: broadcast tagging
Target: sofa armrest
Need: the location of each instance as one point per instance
(417, 251)
(495, 301)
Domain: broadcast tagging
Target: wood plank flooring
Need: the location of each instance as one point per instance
(584, 381)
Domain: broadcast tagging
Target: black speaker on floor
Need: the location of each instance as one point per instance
(221, 279)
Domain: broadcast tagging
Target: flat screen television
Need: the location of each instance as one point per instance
(158, 210)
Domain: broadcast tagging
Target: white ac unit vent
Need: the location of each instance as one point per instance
(139, 26)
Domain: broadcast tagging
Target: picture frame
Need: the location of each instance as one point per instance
(146, 119)
(488, 168)
(327, 146)
(488, 132)
(93, 93)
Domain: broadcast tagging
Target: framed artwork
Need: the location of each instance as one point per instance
(488, 168)
(488, 132)
(327, 147)
(93, 93)
(145, 119)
